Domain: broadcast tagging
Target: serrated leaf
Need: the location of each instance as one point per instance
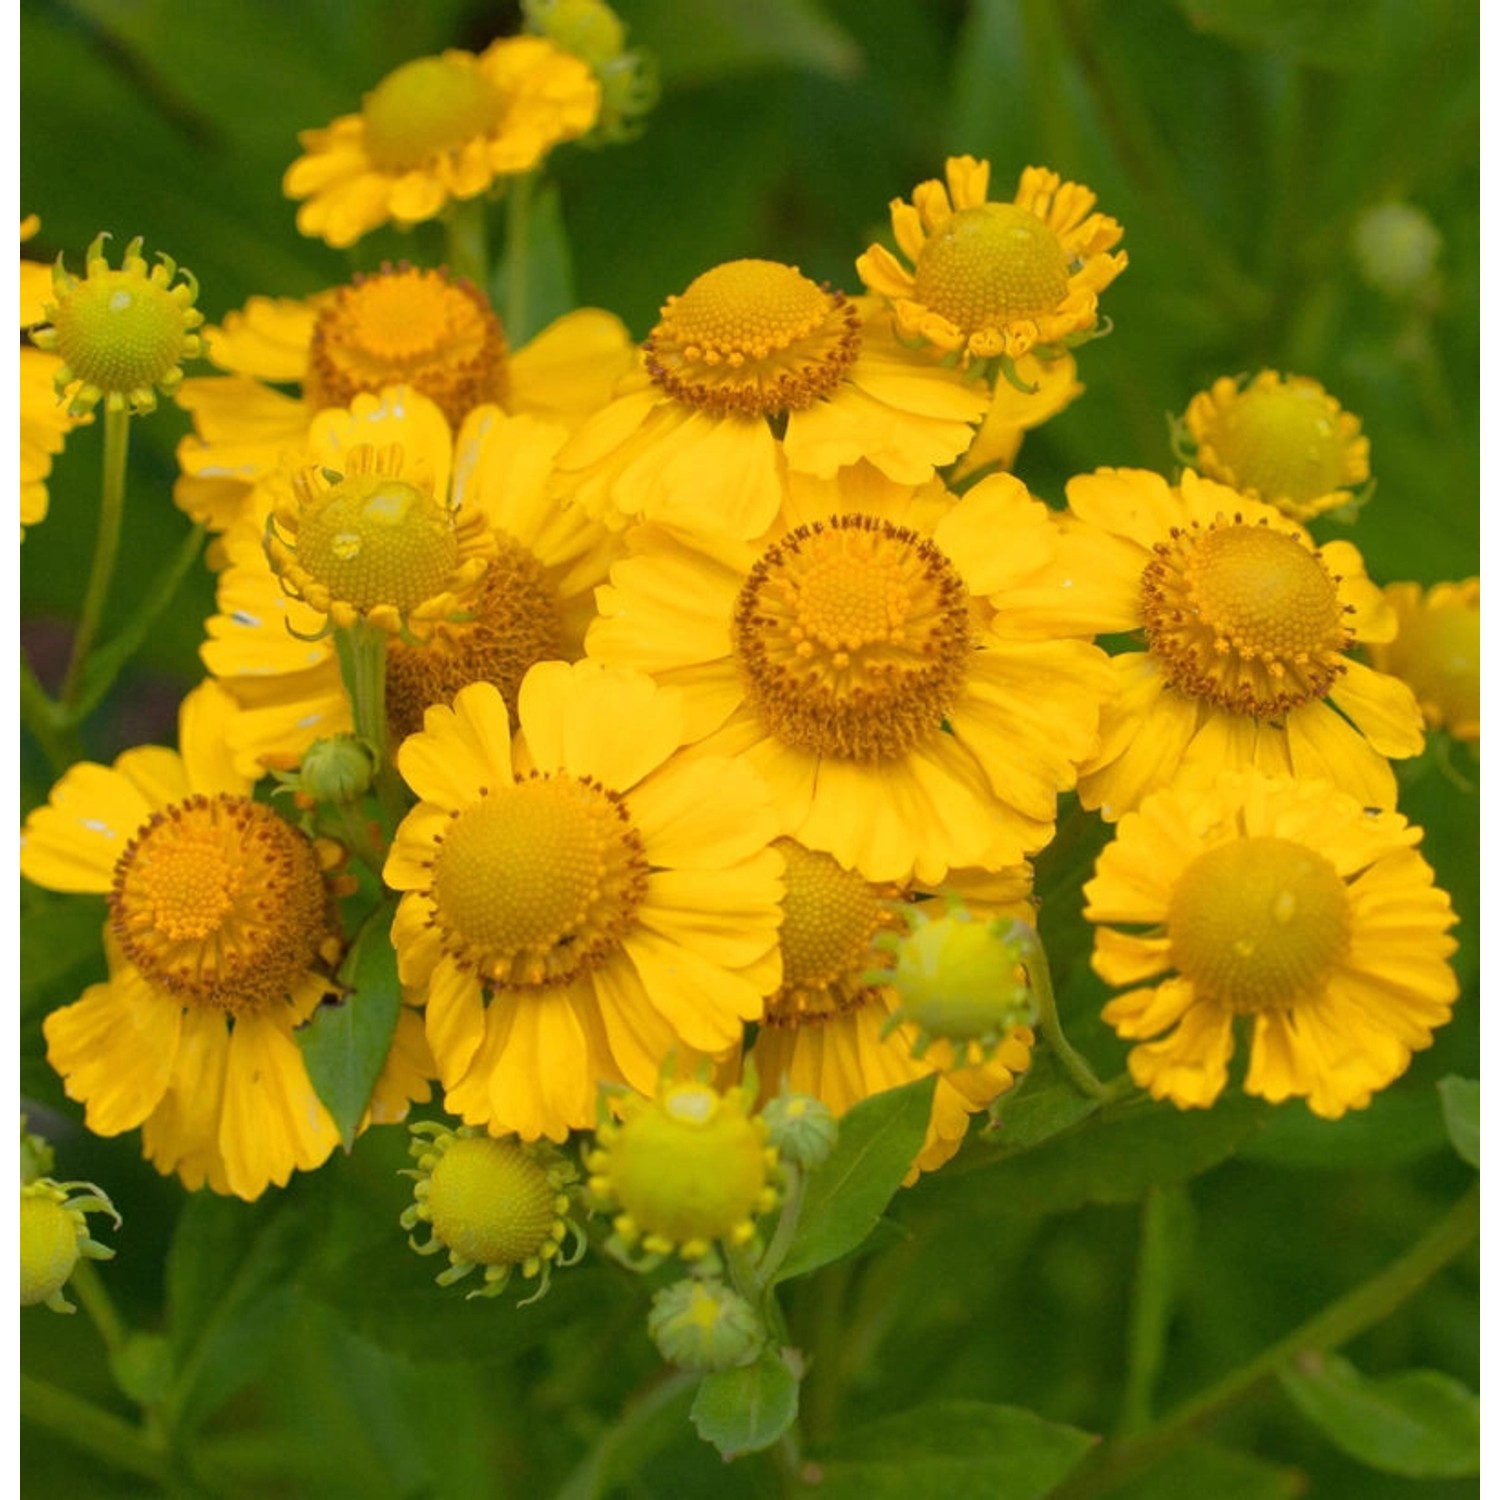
(948, 1448)
(1420, 1424)
(347, 1041)
(878, 1141)
(1460, 1098)
(745, 1410)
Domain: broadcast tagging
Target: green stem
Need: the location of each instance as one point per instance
(106, 549)
(624, 1447)
(1075, 1065)
(40, 715)
(362, 656)
(89, 1288)
(1166, 1231)
(108, 1438)
(468, 241)
(786, 1227)
(517, 260)
(1368, 1304)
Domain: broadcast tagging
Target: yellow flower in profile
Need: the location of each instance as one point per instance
(1286, 902)
(439, 129)
(1436, 652)
(827, 1030)
(1248, 628)
(45, 420)
(579, 901)
(370, 529)
(752, 370)
(221, 939)
(996, 280)
(533, 604)
(1281, 439)
(881, 661)
(400, 325)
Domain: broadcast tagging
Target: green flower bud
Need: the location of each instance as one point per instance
(54, 1235)
(802, 1129)
(339, 769)
(1396, 246)
(699, 1324)
(36, 1155)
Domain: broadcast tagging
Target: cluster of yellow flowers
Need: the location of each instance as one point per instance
(674, 670)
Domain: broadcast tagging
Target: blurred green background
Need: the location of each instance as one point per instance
(1238, 142)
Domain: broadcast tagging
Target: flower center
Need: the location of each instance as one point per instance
(539, 881)
(1258, 923)
(374, 539)
(754, 337)
(490, 1203)
(1281, 442)
(426, 107)
(830, 916)
(852, 635)
(120, 331)
(518, 622)
(1247, 617)
(220, 901)
(405, 326)
(990, 265)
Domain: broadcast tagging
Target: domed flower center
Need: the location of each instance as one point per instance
(375, 539)
(121, 331)
(517, 623)
(405, 326)
(1258, 923)
(222, 902)
(990, 265)
(490, 1203)
(754, 337)
(1282, 442)
(539, 881)
(426, 107)
(830, 916)
(852, 636)
(689, 1168)
(1247, 617)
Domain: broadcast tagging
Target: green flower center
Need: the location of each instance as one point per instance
(490, 1204)
(120, 332)
(426, 107)
(1258, 923)
(1282, 442)
(992, 265)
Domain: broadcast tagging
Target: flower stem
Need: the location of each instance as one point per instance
(1364, 1307)
(41, 716)
(468, 241)
(786, 1226)
(90, 1290)
(106, 549)
(362, 652)
(1039, 973)
(110, 1439)
(517, 265)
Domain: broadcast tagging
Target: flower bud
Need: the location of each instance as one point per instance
(802, 1129)
(54, 1235)
(701, 1325)
(1396, 246)
(338, 769)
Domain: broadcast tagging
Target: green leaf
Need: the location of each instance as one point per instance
(1335, 35)
(745, 1410)
(1420, 1423)
(700, 40)
(347, 1041)
(1460, 1098)
(1198, 1469)
(1045, 1104)
(878, 1141)
(949, 1448)
(59, 935)
(1400, 1125)
(142, 1367)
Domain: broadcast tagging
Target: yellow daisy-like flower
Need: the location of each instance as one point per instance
(881, 662)
(533, 604)
(578, 900)
(1283, 901)
(827, 1028)
(1436, 652)
(752, 370)
(439, 129)
(996, 280)
(1280, 439)
(1247, 626)
(370, 528)
(221, 939)
(398, 326)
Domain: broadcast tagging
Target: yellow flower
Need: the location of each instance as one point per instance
(1283, 901)
(828, 1030)
(397, 326)
(439, 129)
(1282, 440)
(1436, 652)
(533, 604)
(881, 662)
(121, 335)
(221, 934)
(996, 280)
(1248, 627)
(371, 529)
(1052, 385)
(578, 900)
(752, 369)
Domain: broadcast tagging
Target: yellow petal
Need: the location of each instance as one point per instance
(74, 842)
